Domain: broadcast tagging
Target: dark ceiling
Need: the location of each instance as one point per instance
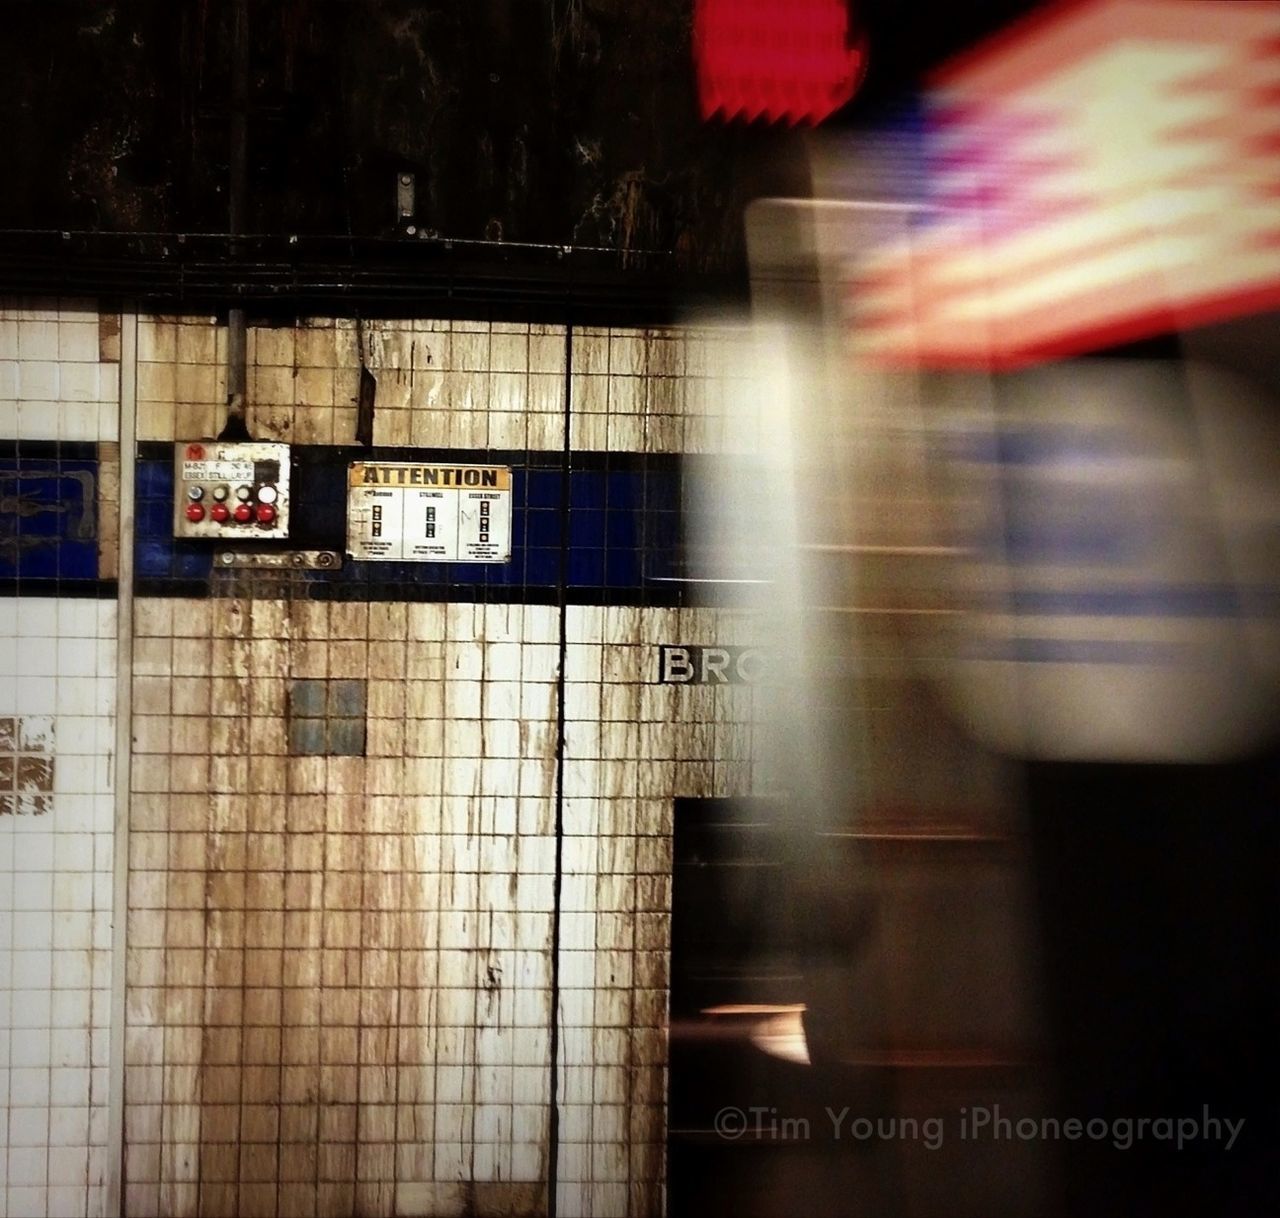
(564, 122)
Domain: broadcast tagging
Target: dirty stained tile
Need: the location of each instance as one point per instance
(307, 698)
(35, 734)
(347, 698)
(34, 774)
(368, 855)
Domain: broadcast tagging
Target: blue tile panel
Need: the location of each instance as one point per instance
(621, 521)
(48, 513)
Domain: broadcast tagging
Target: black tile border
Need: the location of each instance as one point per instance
(52, 450)
(77, 589)
(260, 585)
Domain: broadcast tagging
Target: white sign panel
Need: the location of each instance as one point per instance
(428, 513)
(217, 471)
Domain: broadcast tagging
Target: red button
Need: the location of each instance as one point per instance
(244, 513)
(266, 513)
(219, 512)
(195, 511)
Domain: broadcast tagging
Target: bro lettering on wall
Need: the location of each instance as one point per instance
(693, 664)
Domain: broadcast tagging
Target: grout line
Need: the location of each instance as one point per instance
(553, 1118)
(286, 871)
(115, 1200)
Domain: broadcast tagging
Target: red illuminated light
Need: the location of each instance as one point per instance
(220, 513)
(266, 513)
(244, 513)
(195, 512)
(791, 60)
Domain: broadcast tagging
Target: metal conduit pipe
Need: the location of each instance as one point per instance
(236, 427)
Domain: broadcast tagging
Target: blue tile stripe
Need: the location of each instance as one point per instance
(49, 518)
(624, 530)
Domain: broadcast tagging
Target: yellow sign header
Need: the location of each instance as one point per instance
(440, 477)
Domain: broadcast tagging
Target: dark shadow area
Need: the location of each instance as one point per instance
(1159, 908)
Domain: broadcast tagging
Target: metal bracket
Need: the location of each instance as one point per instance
(406, 200)
(296, 560)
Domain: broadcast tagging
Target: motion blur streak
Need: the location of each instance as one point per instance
(985, 539)
(774, 1029)
(796, 61)
(1104, 172)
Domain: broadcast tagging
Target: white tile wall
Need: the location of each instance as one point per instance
(54, 382)
(423, 1022)
(57, 659)
(632, 746)
(462, 711)
(440, 384)
(462, 717)
(665, 390)
(457, 384)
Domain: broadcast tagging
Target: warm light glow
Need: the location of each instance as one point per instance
(777, 1030)
(754, 1008)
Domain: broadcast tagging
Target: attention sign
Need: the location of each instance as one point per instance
(428, 513)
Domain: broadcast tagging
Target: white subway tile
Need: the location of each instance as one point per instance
(38, 381)
(37, 340)
(78, 420)
(70, 1198)
(28, 1088)
(78, 382)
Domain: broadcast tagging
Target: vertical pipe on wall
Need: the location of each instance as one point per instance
(123, 757)
(237, 360)
(562, 638)
(236, 428)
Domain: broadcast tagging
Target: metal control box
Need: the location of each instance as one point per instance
(225, 490)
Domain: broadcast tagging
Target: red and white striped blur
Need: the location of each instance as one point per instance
(1098, 173)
